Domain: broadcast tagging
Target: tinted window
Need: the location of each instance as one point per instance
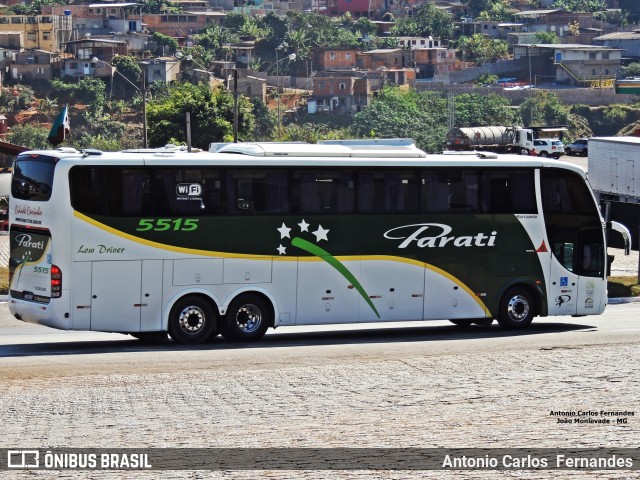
(250, 191)
(110, 191)
(387, 191)
(446, 190)
(33, 177)
(323, 191)
(187, 191)
(508, 191)
(573, 222)
(566, 192)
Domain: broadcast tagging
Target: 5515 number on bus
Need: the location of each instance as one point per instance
(165, 224)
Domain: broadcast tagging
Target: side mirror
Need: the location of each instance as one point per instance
(622, 230)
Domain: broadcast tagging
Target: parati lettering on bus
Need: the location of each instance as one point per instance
(415, 233)
(100, 249)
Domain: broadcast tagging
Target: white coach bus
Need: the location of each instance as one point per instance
(259, 235)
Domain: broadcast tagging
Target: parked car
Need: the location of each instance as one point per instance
(579, 147)
(549, 147)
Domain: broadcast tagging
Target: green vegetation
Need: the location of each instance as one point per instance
(623, 287)
(4, 280)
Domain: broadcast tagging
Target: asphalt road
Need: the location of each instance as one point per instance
(29, 351)
(427, 384)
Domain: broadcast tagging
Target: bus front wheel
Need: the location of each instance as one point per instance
(192, 320)
(248, 318)
(516, 309)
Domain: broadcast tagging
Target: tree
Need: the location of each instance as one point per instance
(474, 109)
(546, 37)
(480, 49)
(128, 77)
(544, 108)
(397, 113)
(631, 8)
(160, 6)
(30, 136)
(163, 41)
(211, 115)
(581, 5)
(428, 21)
(265, 121)
(499, 10)
(631, 70)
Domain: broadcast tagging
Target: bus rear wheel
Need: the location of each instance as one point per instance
(192, 320)
(248, 318)
(516, 309)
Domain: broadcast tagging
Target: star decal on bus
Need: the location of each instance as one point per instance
(321, 233)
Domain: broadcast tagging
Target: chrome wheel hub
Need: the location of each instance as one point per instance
(518, 308)
(249, 318)
(192, 320)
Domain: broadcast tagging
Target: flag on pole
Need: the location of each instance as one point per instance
(60, 128)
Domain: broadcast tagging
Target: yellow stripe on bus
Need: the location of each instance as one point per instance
(209, 253)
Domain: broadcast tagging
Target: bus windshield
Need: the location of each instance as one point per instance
(33, 177)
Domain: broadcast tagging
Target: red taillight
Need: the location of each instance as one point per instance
(56, 282)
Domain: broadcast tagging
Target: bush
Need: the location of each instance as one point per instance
(623, 287)
(4, 280)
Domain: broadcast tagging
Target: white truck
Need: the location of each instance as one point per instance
(497, 139)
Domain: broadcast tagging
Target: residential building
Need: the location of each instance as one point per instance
(580, 65)
(415, 43)
(628, 42)
(162, 69)
(46, 32)
(429, 62)
(85, 51)
(181, 25)
(13, 40)
(34, 65)
(384, 57)
(334, 58)
(341, 92)
(100, 18)
(557, 21)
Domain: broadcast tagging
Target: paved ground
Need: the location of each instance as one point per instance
(492, 398)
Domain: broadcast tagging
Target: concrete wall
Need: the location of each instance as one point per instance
(570, 96)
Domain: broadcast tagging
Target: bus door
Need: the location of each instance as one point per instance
(563, 282)
(576, 239)
(577, 272)
(118, 296)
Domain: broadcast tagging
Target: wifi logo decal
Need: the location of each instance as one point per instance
(321, 234)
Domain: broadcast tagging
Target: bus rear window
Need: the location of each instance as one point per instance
(33, 177)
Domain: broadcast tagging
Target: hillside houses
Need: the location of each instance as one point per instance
(82, 40)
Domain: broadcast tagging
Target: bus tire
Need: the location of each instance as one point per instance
(192, 320)
(248, 318)
(516, 309)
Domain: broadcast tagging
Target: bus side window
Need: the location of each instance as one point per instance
(387, 192)
(324, 192)
(259, 192)
(435, 192)
(87, 190)
(505, 191)
(135, 195)
(564, 250)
